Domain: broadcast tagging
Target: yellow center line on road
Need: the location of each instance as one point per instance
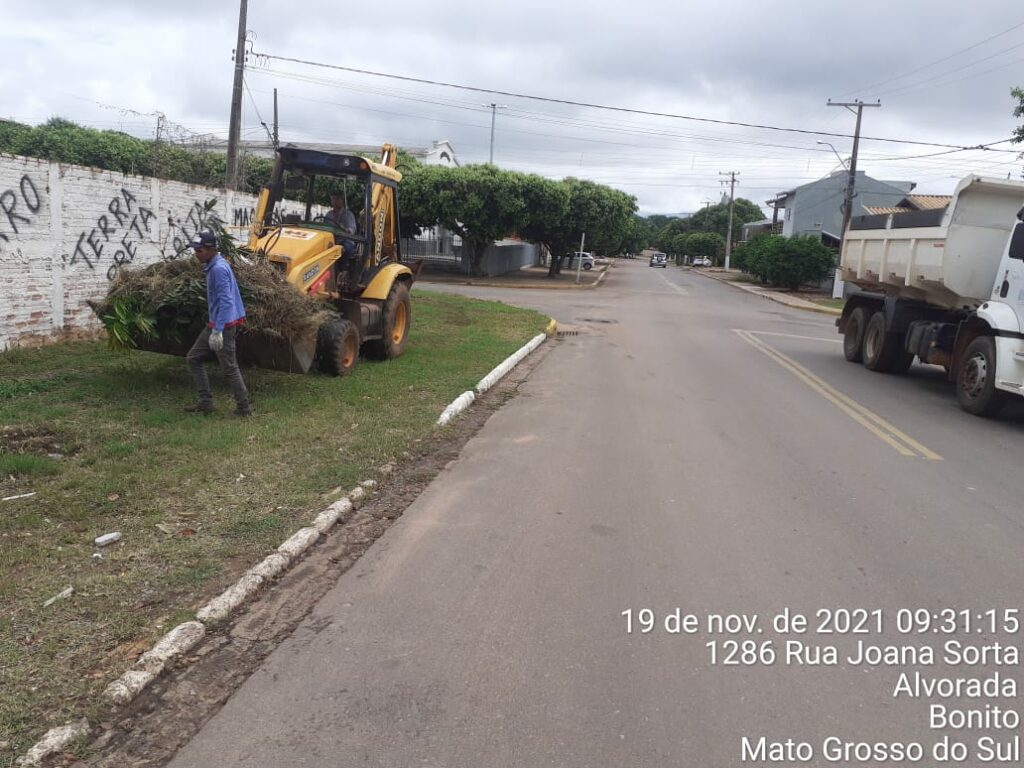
(795, 336)
(871, 421)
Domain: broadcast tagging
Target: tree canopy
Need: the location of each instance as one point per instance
(482, 204)
(788, 262)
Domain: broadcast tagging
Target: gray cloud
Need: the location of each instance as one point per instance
(730, 60)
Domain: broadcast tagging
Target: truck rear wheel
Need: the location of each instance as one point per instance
(880, 348)
(976, 379)
(337, 344)
(853, 336)
(397, 321)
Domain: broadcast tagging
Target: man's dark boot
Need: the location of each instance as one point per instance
(204, 408)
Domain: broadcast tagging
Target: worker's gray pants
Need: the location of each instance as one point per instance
(201, 353)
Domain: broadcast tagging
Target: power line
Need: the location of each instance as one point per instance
(589, 105)
(933, 63)
(911, 86)
(259, 117)
(958, 80)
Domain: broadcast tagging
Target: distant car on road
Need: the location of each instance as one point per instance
(587, 259)
(702, 261)
(659, 260)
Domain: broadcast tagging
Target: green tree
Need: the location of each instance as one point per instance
(601, 212)
(710, 245)
(752, 256)
(715, 218)
(479, 203)
(676, 246)
(635, 238)
(787, 262)
(547, 207)
(799, 260)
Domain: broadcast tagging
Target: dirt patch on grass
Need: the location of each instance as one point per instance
(151, 730)
(35, 440)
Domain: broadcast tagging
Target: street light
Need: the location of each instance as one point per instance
(838, 156)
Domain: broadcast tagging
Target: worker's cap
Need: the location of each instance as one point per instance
(203, 240)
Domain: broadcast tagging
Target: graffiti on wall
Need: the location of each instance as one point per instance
(201, 216)
(18, 207)
(243, 217)
(117, 234)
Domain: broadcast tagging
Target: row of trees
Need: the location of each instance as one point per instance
(482, 203)
(679, 236)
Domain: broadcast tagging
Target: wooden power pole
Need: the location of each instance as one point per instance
(235, 125)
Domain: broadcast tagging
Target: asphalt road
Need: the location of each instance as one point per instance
(694, 447)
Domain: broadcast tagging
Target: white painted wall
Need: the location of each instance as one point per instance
(66, 230)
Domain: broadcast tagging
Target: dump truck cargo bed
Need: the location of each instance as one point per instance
(946, 258)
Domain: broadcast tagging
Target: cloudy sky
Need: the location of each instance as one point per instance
(942, 70)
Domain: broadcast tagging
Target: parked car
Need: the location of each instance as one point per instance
(587, 259)
(702, 261)
(659, 260)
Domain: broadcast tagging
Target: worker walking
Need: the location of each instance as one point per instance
(218, 339)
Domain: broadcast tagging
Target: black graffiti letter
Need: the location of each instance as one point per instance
(26, 185)
(105, 227)
(80, 252)
(8, 202)
(129, 198)
(115, 208)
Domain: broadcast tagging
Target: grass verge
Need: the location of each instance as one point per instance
(103, 444)
(831, 303)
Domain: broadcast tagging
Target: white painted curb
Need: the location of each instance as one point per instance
(54, 741)
(509, 363)
(179, 640)
(185, 636)
(463, 401)
(457, 406)
(299, 542)
(232, 597)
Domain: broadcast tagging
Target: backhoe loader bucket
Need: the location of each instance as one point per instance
(262, 349)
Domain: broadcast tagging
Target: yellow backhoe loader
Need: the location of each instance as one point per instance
(361, 273)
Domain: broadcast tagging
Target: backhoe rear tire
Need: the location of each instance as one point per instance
(397, 321)
(337, 344)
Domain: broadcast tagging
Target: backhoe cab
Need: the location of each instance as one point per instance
(361, 273)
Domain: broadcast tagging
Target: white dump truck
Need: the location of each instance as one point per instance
(945, 286)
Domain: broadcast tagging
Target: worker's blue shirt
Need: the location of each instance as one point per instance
(222, 295)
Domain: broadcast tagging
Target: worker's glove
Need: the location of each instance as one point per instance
(217, 341)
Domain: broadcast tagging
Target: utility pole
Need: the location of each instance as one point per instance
(852, 176)
(235, 126)
(494, 110)
(728, 234)
(277, 142)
